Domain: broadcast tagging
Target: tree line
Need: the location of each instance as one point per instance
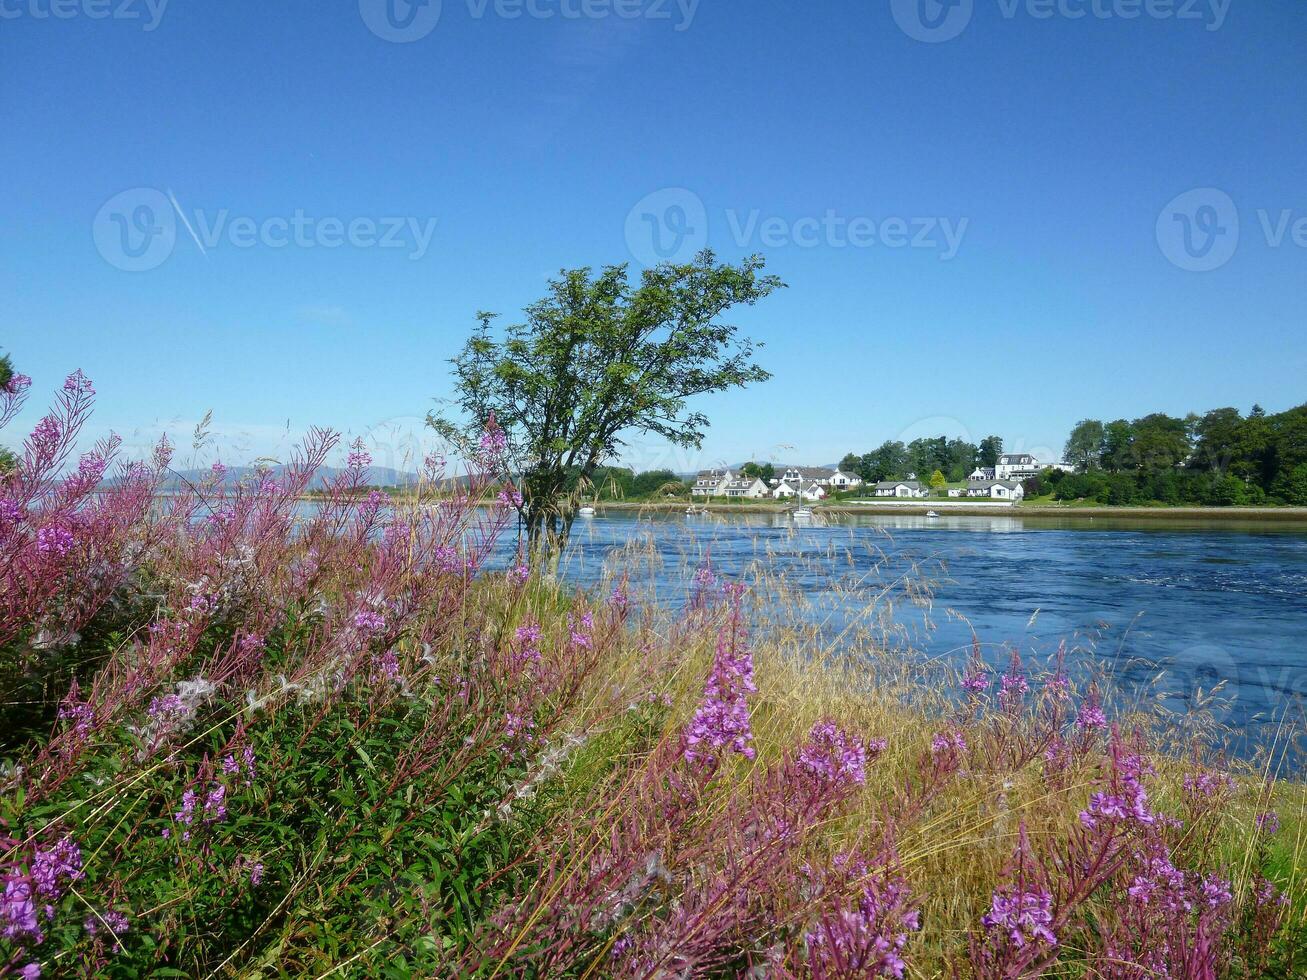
(1220, 458)
(895, 460)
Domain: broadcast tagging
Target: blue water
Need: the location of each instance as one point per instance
(1196, 603)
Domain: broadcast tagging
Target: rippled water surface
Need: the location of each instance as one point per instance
(1204, 601)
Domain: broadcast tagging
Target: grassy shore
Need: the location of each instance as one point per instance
(921, 507)
(239, 739)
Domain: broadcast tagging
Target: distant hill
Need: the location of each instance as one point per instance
(377, 476)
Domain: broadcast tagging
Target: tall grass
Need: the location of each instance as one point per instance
(242, 739)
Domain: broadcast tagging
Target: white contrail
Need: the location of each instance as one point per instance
(178, 208)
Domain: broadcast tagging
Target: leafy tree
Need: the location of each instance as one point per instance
(1118, 439)
(962, 457)
(596, 360)
(938, 481)
(991, 448)
(763, 471)
(651, 482)
(1291, 487)
(1216, 439)
(1160, 441)
(887, 462)
(851, 463)
(1084, 447)
(7, 459)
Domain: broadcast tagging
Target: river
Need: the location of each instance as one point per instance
(1195, 602)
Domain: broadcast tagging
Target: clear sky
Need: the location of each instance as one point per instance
(288, 212)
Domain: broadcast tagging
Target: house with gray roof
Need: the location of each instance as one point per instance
(996, 489)
(711, 483)
(900, 488)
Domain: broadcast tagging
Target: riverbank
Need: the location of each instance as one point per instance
(922, 507)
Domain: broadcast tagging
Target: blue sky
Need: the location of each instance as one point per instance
(982, 223)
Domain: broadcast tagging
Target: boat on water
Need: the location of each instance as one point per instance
(801, 512)
(586, 512)
(931, 513)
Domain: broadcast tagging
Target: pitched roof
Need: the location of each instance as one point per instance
(1019, 459)
(886, 484)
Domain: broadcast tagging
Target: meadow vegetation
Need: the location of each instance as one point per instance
(243, 736)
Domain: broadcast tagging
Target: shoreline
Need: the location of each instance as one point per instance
(919, 509)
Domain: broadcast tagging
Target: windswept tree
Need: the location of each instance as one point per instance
(598, 360)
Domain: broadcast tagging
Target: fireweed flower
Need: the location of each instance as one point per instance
(1013, 684)
(722, 718)
(618, 599)
(54, 866)
(116, 922)
(493, 441)
(1024, 914)
(369, 622)
(78, 384)
(18, 919)
(359, 458)
(833, 755)
(520, 572)
(54, 540)
(1091, 716)
(1268, 822)
(580, 631)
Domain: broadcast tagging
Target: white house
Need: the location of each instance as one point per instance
(1016, 466)
(996, 489)
(900, 488)
(983, 473)
(749, 487)
(711, 483)
(813, 492)
(841, 480)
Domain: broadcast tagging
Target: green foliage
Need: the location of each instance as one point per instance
(598, 360)
(1217, 459)
(1084, 447)
(990, 449)
(938, 481)
(762, 471)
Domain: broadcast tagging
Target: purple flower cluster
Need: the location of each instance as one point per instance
(722, 718)
(49, 871)
(581, 631)
(56, 540)
(116, 922)
(359, 458)
(868, 939)
(1127, 802)
(369, 622)
(1091, 715)
(833, 755)
(1025, 914)
(948, 743)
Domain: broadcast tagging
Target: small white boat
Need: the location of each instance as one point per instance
(690, 511)
(801, 512)
(931, 513)
(586, 512)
